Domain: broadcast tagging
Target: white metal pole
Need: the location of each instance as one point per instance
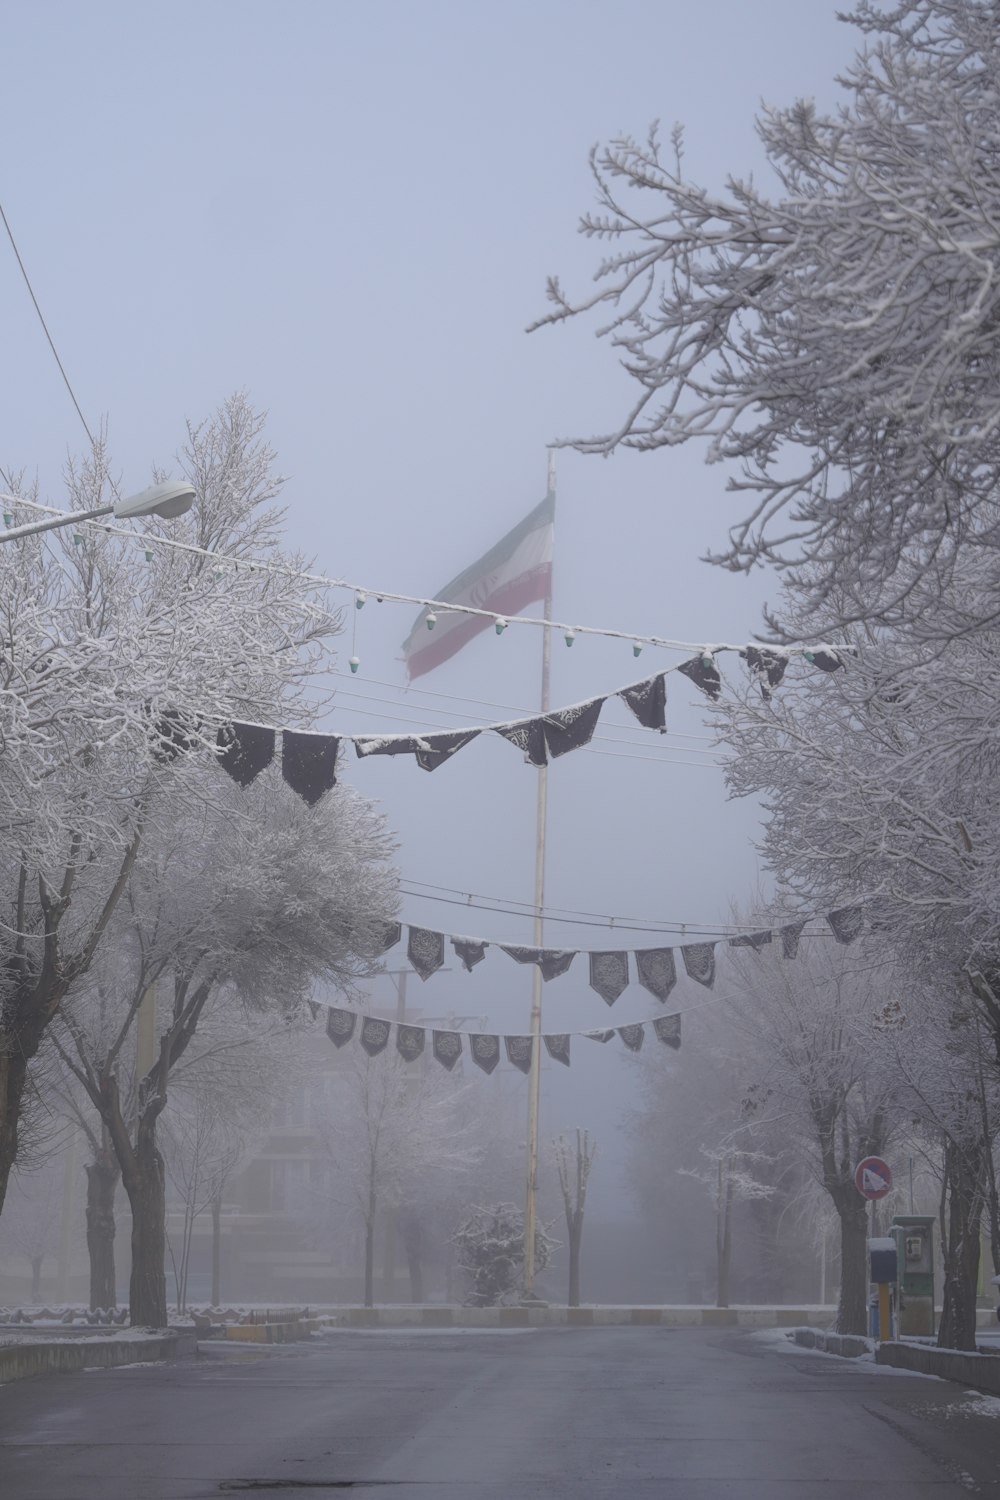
(535, 1079)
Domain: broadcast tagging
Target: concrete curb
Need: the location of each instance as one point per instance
(22, 1361)
(543, 1316)
(981, 1371)
(847, 1345)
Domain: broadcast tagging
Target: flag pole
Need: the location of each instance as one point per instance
(535, 1079)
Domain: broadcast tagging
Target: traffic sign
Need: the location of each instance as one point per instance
(873, 1177)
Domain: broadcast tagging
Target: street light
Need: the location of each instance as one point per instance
(167, 500)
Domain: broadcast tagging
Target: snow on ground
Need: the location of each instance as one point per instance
(781, 1341)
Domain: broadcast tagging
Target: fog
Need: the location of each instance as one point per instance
(350, 212)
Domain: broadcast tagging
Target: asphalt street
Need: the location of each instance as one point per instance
(686, 1414)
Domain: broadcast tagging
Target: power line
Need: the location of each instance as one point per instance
(45, 329)
(363, 592)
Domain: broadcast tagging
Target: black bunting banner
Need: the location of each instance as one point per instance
(648, 701)
(448, 1047)
(699, 962)
(374, 1035)
(485, 1050)
(846, 924)
(246, 750)
(309, 763)
(657, 971)
(425, 950)
(340, 1025)
(557, 1046)
(409, 1041)
(309, 760)
(470, 950)
(519, 1052)
(551, 961)
(668, 1029)
(790, 935)
(609, 974)
(754, 940)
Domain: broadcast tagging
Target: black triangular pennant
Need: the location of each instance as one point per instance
(447, 1048)
(704, 674)
(409, 1041)
(388, 936)
(846, 924)
(246, 750)
(754, 940)
(656, 970)
(471, 951)
(529, 736)
(485, 1050)
(648, 701)
(668, 1029)
(699, 962)
(340, 1025)
(632, 1036)
(519, 1051)
(557, 1046)
(374, 1035)
(609, 974)
(309, 763)
(425, 950)
(572, 728)
(767, 668)
(790, 935)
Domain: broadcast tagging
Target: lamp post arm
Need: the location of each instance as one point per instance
(34, 527)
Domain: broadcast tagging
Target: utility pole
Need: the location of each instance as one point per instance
(535, 1080)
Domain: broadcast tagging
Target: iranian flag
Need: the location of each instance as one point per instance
(513, 574)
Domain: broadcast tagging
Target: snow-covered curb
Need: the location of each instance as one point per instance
(22, 1359)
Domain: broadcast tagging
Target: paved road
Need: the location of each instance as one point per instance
(564, 1414)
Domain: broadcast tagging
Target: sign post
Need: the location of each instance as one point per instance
(873, 1179)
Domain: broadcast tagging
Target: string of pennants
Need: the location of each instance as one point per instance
(484, 1047)
(610, 973)
(309, 759)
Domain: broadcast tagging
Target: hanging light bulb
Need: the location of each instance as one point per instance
(8, 519)
(431, 620)
(359, 599)
(378, 598)
(77, 539)
(570, 637)
(148, 554)
(499, 625)
(354, 664)
(636, 648)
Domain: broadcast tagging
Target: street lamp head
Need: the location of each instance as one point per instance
(167, 500)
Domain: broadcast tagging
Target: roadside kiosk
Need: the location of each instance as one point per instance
(914, 1236)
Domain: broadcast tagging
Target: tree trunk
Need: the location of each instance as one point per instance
(575, 1246)
(13, 1075)
(409, 1229)
(102, 1183)
(370, 1260)
(217, 1250)
(852, 1309)
(36, 1278)
(724, 1240)
(144, 1184)
(963, 1180)
(370, 1237)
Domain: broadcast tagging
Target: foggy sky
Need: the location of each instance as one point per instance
(350, 210)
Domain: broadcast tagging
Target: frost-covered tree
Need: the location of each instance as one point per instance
(490, 1245)
(114, 670)
(574, 1164)
(392, 1133)
(253, 892)
(832, 341)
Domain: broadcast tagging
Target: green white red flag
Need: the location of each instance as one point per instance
(516, 572)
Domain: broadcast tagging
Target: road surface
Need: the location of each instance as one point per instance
(557, 1414)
